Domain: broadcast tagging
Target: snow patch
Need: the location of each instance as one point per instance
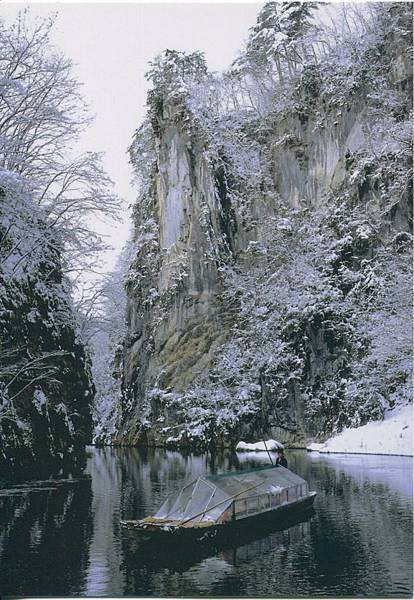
(272, 445)
(393, 435)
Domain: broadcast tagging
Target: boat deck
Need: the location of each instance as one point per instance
(154, 522)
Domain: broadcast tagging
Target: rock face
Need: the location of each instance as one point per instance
(45, 382)
(174, 317)
(249, 310)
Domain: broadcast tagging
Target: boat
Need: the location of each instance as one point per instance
(237, 541)
(210, 506)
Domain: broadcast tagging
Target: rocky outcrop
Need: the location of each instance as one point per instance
(248, 310)
(175, 321)
(45, 381)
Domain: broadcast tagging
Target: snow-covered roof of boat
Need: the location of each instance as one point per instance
(210, 496)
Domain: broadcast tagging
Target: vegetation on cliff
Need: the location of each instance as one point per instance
(47, 194)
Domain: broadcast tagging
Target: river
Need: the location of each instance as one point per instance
(62, 536)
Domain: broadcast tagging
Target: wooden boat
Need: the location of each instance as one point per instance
(217, 504)
(180, 554)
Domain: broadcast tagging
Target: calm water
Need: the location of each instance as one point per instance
(62, 537)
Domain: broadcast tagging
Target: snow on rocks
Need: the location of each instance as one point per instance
(393, 435)
(272, 445)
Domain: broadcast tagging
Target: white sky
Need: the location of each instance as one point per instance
(111, 44)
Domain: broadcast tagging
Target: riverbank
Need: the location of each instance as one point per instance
(392, 436)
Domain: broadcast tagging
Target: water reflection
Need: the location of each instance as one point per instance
(366, 469)
(62, 537)
(276, 541)
(103, 575)
(256, 539)
(44, 533)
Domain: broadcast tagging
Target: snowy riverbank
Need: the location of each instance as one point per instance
(393, 435)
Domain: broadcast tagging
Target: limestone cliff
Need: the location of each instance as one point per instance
(269, 246)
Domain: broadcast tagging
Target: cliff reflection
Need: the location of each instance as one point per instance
(44, 532)
(103, 573)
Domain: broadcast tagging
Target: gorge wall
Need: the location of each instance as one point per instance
(174, 317)
(270, 289)
(45, 381)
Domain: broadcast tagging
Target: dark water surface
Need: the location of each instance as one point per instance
(62, 537)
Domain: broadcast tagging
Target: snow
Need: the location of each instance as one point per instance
(393, 435)
(39, 400)
(23, 425)
(279, 38)
(272, 445)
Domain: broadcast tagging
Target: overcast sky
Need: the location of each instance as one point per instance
(111, 45)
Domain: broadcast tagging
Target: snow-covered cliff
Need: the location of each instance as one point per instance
(271, 285)
(174, 316)
(45, 380)
(51, 195)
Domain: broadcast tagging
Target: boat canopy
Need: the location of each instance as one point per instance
(235, 494)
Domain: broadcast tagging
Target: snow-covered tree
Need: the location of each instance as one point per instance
(106, 333)
(41, 115)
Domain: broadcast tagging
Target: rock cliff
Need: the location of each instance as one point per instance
(270, 286)
(174, 314)
(45, 381)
